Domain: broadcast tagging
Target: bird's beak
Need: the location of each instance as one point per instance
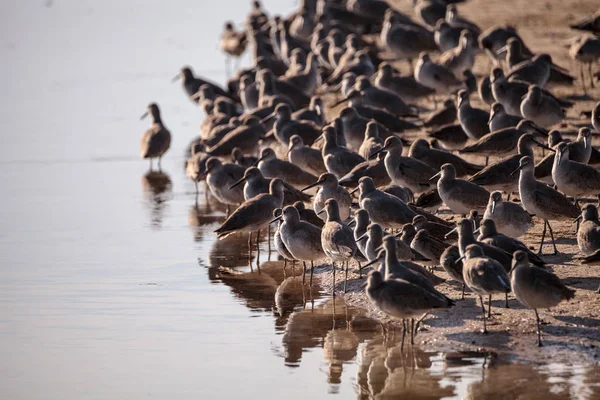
(502, 50)
(460, 258)
(397, 235)
(320, 137)
(543, 146)
(275, 219)
(493, 206)
(372, 155)
(586, 141)
(361, 238)
(377, 250)
(321, 212)
(196, 95)
(540, 130)
(312, 185)
(176, 78)
(515, 171)
(343, 100)
(257, 161)
(477, 230)
(355, 190)
(447, 235)
(144, 115)
(351, 223)
(370, 263)
(268, 118)
(435, 176)
(578, 218)
(244, 179)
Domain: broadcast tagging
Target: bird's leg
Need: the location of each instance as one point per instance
(537, 319)
(312, 268)
(483, 311)
(463, 292)
(333, 284)
(552, 237)
(506, 300)
(412, 331)
(591, 76)
(543, 237)
(303, 272)
(359, 270)
(159, 166)
(196, 183)
(284, 264)
(598, 290)
(582, 78)
(508, 196)
(419, 322)
(227, 216)
(489, 306)
(150, 158)
(487, 160)
(250, 242)
(403, 334)
(346, 277)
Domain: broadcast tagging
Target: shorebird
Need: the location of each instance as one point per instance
(255, 214)
(430, 11)
(401, 299)
(511, 93)
(590, 23)
(337, 240)
(451, 263)
(535, 71)
(232, 42)
(455, 20)
(375, 169)
(338, 160)
(451, 137)
(315, 112)
(278, 242)
(574, 179)
(510, 218)
(460, 58)
(354, 127)
(388, 121)
(500, 119)
(474, 121)
(361, 222)
(596, 117)
(446, 36)
(543, 110)
(435, 76)
(586, 51)
(592, 260)
(493, 39)
(330, 189)
(284, 126)
(372, 240)
(459, 195)
(405, 41)
(536, 288)
(541, 200)
(430, 201)
(157, 139)
(588, 235)
(220, 177)
(422, 151)
(192, 84)
(484, 90)
(489, 235)
(238, 157)
(379, 98)
(196, 165)
(484, 276)
(436, 230)
(272, 167)
(444, 116)
(497, 176)
(307, 158)
(504, 141)
(429, 247)
(372, 141)
(405, 171)
(384, 209)
(580, 150)
(308, 215)
(513, 52)
(245, 137)
(255, 183)
(406, 87)
(403, 193)
(302, 239)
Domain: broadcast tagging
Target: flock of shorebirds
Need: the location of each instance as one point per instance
(269, 146)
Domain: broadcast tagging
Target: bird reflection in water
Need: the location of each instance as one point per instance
(201, 218)
(157, 187)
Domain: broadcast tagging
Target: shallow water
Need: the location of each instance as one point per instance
(112, 284)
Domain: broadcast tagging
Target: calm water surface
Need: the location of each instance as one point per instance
(112, 284)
